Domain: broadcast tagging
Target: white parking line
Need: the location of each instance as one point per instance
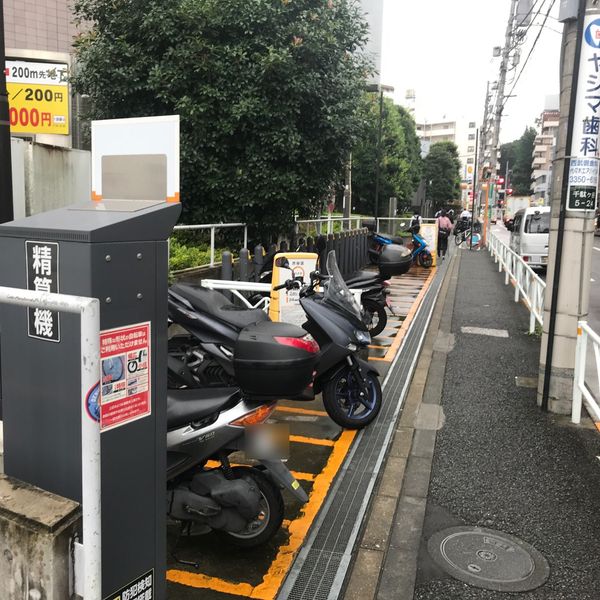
(597, 249)
(501, 333)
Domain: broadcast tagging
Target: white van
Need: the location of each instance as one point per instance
(530, 233)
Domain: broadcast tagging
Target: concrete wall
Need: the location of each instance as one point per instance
(36, 532)
(48, 177)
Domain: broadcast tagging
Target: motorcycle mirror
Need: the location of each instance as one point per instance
(283, 263)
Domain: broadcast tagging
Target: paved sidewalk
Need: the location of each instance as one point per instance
(496, 461)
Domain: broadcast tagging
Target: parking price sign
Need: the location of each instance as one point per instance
(38, 97)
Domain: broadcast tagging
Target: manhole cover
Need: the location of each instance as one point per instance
(488, 559)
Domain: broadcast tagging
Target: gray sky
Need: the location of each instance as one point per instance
(443, 50)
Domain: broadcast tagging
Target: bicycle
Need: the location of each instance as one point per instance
(465, 236)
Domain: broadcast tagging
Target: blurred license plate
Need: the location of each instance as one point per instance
(268, 442)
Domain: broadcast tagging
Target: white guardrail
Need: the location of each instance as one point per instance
(528, 285)
(236, 287)
(325, 225)
(582, 392)
(213, 228)
(89, 585)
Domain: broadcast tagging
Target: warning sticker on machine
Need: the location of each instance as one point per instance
(140, 589)
(125, 389)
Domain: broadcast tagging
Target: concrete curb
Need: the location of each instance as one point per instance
(386, 562)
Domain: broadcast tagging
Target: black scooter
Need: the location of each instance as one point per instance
(351, 391)
(242, 503)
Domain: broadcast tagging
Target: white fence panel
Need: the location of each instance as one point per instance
(528, 285)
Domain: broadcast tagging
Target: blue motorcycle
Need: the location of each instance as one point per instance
(420, 253)
(377, 242)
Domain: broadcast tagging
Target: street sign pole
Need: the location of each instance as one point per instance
(6, 197)
(574, 200)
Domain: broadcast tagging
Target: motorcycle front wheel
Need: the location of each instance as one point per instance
(425, 260)
(268, 521)
(375, 317)
(344, 404)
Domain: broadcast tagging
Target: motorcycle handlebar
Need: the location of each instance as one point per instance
(290, 284)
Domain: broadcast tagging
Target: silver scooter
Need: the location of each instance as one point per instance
(241, 503)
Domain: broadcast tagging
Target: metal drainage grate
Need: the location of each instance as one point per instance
(488, 559)
(320, 568)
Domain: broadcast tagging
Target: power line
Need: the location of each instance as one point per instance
(530, 53)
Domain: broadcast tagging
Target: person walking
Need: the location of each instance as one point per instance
(416, 220)
(444, 230)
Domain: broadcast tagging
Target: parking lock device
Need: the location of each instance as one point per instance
(116, 251)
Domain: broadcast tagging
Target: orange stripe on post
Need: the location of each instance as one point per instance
(96, 197)
(173, 198)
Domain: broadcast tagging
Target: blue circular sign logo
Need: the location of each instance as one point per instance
(92, 404)
(592, 34)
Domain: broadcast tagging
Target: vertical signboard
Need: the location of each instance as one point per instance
(140, 589)
(583, 170)
(285, 304)
(429, 232)
(125, 386)
(136, 159)
(42, 276)
(38, 97)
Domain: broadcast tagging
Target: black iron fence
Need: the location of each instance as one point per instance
(351, 249)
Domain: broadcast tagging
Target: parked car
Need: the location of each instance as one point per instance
(529, 235)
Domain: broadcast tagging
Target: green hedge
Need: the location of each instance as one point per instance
(186, 257)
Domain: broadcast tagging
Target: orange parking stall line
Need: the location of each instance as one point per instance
(298, 528)
(303, 476)
(393, 349)
(213, 464)
(198, 580)
(301, 411)
(309, 440)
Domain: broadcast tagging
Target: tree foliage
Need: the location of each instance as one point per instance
(442, 174)
(401, 164)
(519, 156)
(267, 92)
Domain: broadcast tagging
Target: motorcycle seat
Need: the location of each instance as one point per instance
(395, 239)
(185, 406)
(215, 304)
(363, 278)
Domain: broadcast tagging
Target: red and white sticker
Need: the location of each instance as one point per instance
(125, 386)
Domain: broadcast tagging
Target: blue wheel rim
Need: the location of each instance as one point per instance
(346, 395)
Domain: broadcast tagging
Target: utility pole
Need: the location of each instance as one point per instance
(573, 203)
(484, 129)
(474, 188)
(348, 190)
(508, 47)
(482, 145)
(6, 197)
(378, 168)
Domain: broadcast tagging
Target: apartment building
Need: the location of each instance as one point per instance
(461, 132)
(543, 155)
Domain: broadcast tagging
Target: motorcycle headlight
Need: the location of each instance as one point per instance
(362, 337)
